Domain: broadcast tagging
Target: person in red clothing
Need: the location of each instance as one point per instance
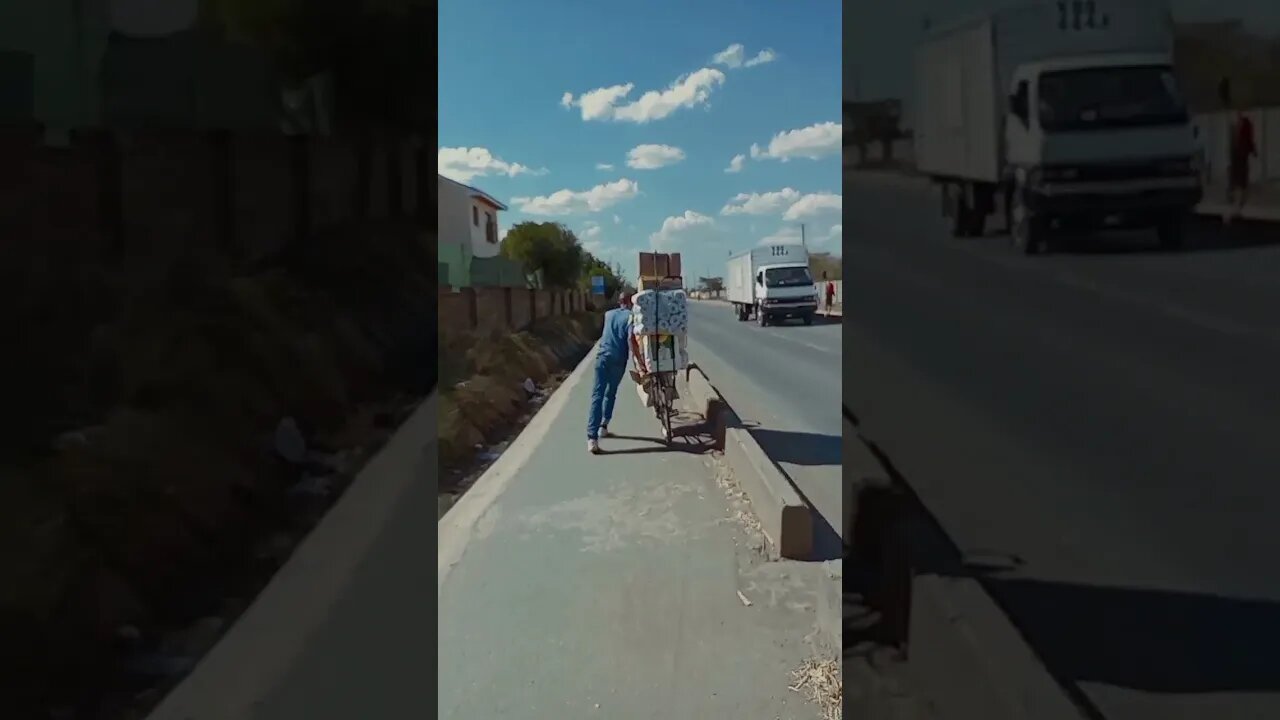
(830, 291)
(1242, 148)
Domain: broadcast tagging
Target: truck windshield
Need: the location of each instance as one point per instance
(1098, 98)
(787, 277)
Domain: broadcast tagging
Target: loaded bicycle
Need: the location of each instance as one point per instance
(661, 322)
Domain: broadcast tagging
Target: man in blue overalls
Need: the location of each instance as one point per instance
(616, 344)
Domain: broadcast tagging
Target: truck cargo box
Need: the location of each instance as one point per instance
(963, 72)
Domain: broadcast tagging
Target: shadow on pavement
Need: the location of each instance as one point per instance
(813, 450)
(1151, 640)
(1203, 234)
(688, 438)
(820, 320)
(797, 448)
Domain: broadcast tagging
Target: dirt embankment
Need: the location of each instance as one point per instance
(485, 400)
(142, 499)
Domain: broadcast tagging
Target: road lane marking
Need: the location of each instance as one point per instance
(1073, 280)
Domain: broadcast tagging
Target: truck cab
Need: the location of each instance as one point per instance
(773, 282)
(785, 291)
(1098, 142)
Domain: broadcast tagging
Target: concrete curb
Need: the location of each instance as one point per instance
(784, 517)
(708, 403)
(968, 658)
(1254, 213)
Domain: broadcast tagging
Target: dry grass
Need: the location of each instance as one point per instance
(819, 680)
(485, 396)
(172, 385)
(739, 503)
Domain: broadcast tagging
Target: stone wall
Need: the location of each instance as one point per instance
(158, 195)
(486, 309)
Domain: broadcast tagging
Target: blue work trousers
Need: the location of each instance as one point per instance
(604, 391)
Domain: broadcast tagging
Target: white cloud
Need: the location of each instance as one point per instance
(592, 231)
(463, 164)
(791, 235)
(813, 142)
(652, 157)
(676, 225)
(764, 56)
(785, 236)
(604, 166)
(617, 220)
(686, 92)
(567, 202)
(597, 104)
(761, 203)
(733, 56)
(813, 204)
(735, 165)
(730, 57)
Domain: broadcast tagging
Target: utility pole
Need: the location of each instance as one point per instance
(802, 235)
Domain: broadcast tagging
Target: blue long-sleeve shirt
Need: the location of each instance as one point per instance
(614, 340)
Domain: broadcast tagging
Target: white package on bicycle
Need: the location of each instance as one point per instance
(660, 319)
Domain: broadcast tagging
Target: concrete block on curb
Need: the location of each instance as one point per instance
(784, 517)
(707, 402)
(963, 652)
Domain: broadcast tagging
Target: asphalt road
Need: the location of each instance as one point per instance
(1102, 423)
(783, 381)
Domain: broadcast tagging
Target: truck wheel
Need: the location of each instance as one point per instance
(1030, 233)
(961, 215)
(977, 224)
(1172, 234)
(808, 318)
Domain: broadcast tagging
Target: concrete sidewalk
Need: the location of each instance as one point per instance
(1263, 204)
(577, 586)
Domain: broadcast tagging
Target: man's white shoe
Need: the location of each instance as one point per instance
(604, 431)
(593, 447)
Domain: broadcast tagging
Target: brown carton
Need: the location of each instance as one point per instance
(662, 260)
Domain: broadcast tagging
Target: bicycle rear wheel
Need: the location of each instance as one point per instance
(662, 407)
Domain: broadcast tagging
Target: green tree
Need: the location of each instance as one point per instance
(592, 266)
(548, 247)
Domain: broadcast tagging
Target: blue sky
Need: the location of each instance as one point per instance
(507, 127)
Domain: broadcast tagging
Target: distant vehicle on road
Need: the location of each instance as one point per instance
(773, 282)
(1067, 112)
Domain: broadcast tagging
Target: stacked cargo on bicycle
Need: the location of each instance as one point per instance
(660, 313)
(660, 319)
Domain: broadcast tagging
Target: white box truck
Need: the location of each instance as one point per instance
(772, 282)
(1066, 113)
